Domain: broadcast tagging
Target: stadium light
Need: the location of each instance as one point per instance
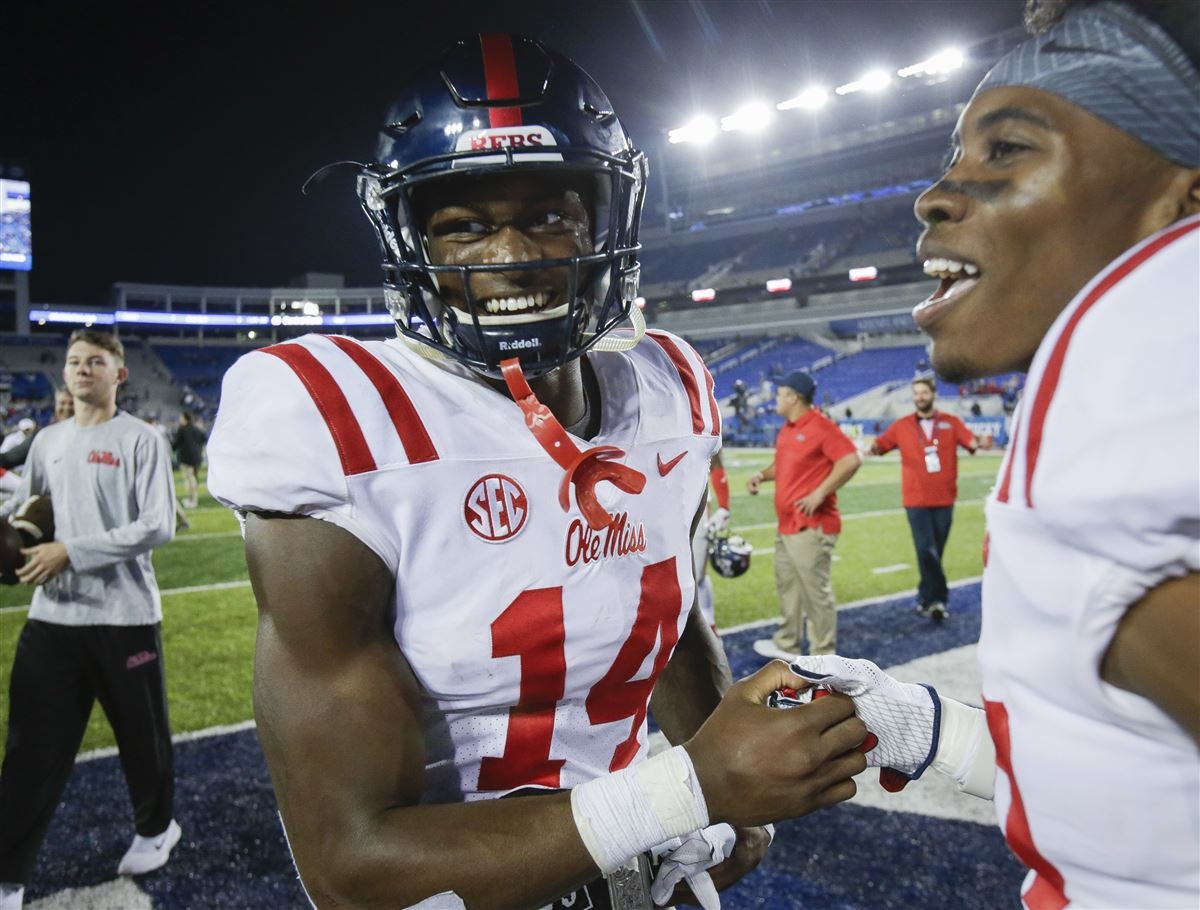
(699, 129)
(811, 99)
(310, 309)
(866, 273)
(750, 117)
(873, 81)
(946, 61)
(703, 295)
(252, 334)
(779, 285)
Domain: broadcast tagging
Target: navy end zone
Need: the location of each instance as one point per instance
(863, 856)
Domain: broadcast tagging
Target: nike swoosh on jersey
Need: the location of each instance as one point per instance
(665, 467)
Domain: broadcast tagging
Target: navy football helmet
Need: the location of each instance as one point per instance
(729, 556)
(501, 103)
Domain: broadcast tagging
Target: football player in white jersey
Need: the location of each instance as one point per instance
(1066, 235)
(470, 546)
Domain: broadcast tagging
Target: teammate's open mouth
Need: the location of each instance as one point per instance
(958, 276)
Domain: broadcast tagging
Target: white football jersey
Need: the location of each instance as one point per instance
(535, 638)
(1098, 501)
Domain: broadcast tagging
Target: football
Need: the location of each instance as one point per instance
(31, 524)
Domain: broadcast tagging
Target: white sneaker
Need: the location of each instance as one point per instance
(12, 896)
(146, 854)
(765, 647)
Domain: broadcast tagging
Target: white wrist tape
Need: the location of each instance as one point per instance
(629, 811)
(965, 750)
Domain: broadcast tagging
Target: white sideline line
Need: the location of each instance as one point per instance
(190, 589)
(885, 570)
(847, 516)
(109, 751)
(865, 602)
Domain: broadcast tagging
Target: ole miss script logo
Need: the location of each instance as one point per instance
(97, 457)
(496, 508)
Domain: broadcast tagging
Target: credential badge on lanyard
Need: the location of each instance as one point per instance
(933, 463)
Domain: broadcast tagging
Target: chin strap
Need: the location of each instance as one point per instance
(585, 468)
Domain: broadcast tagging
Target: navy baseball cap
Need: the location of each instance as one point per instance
(801, 382)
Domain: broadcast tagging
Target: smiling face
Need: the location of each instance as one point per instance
(1039, 197)
(507, 218)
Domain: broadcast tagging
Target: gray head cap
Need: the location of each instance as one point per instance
(1118, 66)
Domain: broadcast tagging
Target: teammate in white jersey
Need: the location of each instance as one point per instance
(470, 546)
(1066, 235)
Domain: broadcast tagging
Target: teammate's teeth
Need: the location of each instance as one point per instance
(948, 268)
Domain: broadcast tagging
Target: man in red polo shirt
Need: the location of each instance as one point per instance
(813, 458)
(928, 441)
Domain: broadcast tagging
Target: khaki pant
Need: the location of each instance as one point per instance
(802, 567)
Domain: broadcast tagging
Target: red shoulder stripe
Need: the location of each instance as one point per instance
(418, 447)
(1049, 381)
(715, 412)
(335, 409)
(685, 373)
(500, 73)
(1010, 458)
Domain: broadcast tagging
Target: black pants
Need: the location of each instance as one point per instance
(58, 673)
(930, 529)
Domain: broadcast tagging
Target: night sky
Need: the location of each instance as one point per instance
(167, 142)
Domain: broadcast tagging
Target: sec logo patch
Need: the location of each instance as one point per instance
(496, 508)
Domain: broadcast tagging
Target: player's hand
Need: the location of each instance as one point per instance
(758, 765)
(810, 503)
(753, 482)
(905, 717)
(718, 522)
(43, 562)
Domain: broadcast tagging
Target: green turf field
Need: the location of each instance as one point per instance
(209, 617)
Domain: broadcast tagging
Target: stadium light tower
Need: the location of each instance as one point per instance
(750, 117)
(873, 81)
(946, 61)
(700, 129)
(812, 98)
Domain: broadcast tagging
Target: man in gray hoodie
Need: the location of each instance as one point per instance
(94, 629)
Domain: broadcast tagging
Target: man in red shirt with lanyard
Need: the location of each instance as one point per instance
(928, 441)
(813, 458)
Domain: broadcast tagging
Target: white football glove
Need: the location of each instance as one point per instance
(915, 726)
(690, 858)
(718, 522)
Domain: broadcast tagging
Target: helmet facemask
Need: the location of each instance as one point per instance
(597, 285)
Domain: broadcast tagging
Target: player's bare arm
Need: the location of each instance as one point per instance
(338, 716)
(1156, 651)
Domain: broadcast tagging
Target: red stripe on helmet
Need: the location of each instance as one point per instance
(418, 447)
(500, 74)
(347, 435)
